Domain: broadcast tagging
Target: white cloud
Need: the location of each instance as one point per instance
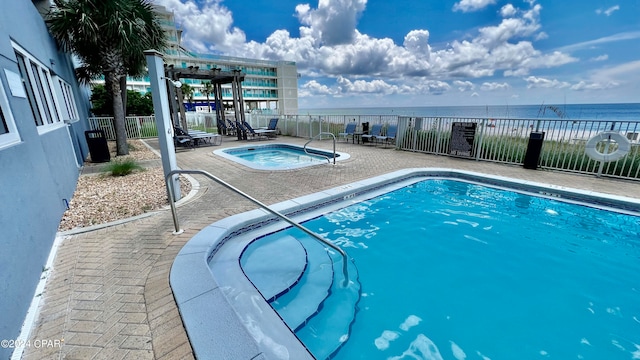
(508, 11)
(417, 41)
(472, 5)
(624, 73)
(584, 85)
(464, 85)
(376, 86)
(330, 46)
(334, 20)
(494, 86)
(631, 35)
(210, 24)
(608, 11)
(314, 88)
(603, 57)
(539, 82)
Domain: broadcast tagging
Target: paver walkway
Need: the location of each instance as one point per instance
(108, 296)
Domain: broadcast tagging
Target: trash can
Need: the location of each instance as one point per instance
(534, 149)
(98, 148)
(365, 130)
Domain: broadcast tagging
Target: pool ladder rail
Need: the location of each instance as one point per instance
(334, 147)
(176, 222)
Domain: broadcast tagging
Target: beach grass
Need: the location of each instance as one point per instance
(122, 167)
(555, 154)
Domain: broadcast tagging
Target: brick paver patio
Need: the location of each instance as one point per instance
(108, 295)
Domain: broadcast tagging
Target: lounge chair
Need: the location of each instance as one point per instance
(248, 130)
(182, 139)
(374, 134)
(232, 127)
(205, 137)
(273, 125)
(197, 137)
(392, 131)
(223, 129)
(349, 130)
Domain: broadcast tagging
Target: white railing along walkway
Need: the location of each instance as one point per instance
(497, 140)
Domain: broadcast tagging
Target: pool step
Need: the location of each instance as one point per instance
(325, 332)
(274, 265)
(304, 283)
(304, 299)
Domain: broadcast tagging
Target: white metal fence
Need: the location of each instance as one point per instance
(506, 141)
(495, 140)
(138, 127)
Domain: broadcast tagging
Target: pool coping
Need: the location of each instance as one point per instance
(341, 156)
(226, 317)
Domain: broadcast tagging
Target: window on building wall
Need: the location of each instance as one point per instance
(8, 131)
(38, 85)
(68, 104)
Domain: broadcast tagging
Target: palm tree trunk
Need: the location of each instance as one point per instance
(118, 115)
(123, 91)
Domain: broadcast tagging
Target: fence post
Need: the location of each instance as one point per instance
(479, 144)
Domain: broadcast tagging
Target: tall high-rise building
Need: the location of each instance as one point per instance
(268, 85)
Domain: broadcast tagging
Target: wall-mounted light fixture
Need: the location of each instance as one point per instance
(175, 83)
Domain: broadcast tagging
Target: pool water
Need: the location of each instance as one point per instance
(278, 157)
(455, 270)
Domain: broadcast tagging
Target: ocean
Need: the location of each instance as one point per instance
(624, 112)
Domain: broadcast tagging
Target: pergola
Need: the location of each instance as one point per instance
(217, 77)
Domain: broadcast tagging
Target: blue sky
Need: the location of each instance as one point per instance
(359, 53)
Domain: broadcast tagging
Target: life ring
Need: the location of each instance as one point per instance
(623, 146)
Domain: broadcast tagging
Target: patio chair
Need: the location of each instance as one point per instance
(273, 124)
(182, 139)
(223, 129)
(196, 136)
(349, 130)
(248, 130)
(204, 137)
(374, 134)
(392, 131)
(232, 127)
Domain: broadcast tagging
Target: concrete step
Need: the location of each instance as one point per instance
(325, 332)
(304, 299)
(274, 265)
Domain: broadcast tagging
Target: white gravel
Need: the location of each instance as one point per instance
(100, 198)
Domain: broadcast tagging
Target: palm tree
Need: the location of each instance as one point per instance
(207, 88)
(109, 38)
(187, 93)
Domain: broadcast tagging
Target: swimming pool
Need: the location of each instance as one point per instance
(444, 273)
(278, 156)
(401, 331)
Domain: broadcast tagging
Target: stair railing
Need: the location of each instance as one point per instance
(334, 147)
(176, 222)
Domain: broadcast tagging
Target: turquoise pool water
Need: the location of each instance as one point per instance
(454, 270)
(278, 156)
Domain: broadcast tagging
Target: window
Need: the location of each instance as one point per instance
(38, 85)
(65, 95)
(8, 132)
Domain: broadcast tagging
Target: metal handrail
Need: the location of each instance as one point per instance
(334, 147)
(176, 222)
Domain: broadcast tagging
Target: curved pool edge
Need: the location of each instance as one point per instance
(222, 153)
(226, 317)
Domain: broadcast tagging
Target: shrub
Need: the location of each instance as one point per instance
(122, 167)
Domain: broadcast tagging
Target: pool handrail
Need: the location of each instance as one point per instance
(176, 222)
(334, 146)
